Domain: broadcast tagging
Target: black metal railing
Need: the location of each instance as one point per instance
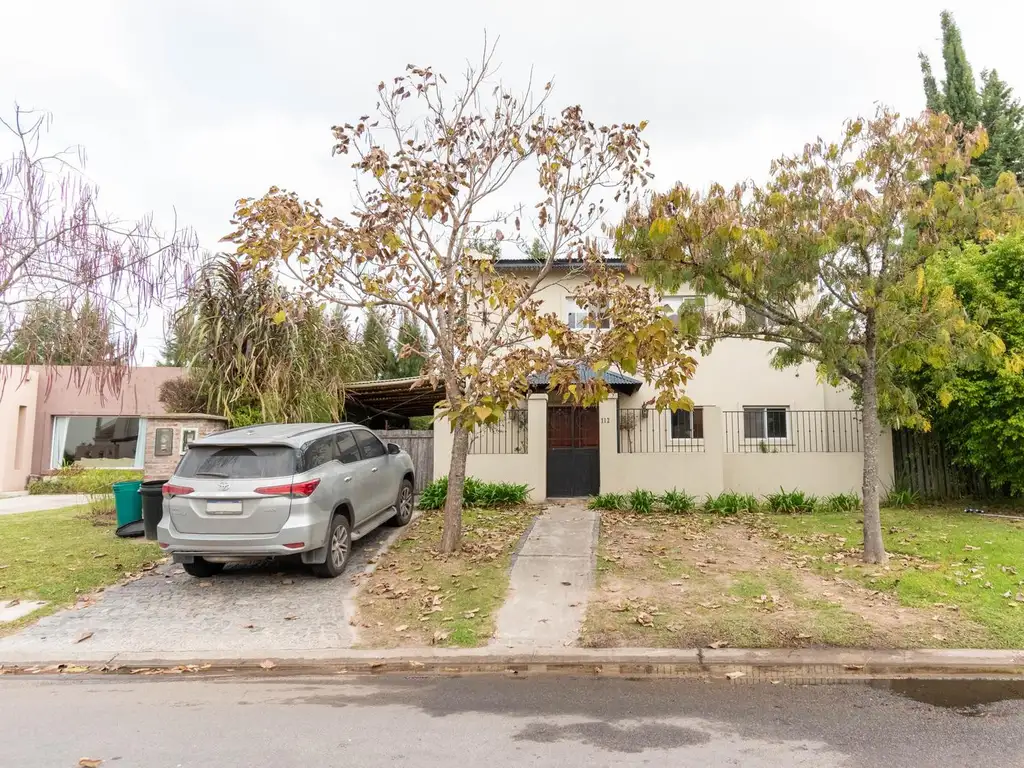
(506, 436)
(646, 430)
(779, 430)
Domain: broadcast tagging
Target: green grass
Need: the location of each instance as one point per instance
(939, 557)
(417, 596)
(61, 554)
(85, 481)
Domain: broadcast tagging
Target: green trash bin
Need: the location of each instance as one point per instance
(127, 502)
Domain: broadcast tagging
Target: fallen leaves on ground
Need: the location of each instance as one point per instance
(89, 762)
(267, 664)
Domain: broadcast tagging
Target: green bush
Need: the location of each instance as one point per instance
(901, 498)
(642, 501)
(790, 502)
(678, 502)
(611, 502)
(840, 502)
(475, 493)
(731, 503)
(73, 479)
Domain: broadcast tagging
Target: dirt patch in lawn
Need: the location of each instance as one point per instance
(705, 581)
(419, 597)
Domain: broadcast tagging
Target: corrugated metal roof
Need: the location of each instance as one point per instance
(584, 373)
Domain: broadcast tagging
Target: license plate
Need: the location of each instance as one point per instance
(224, 508)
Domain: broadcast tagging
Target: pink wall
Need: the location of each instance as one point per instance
(17, 420)
(71, 395)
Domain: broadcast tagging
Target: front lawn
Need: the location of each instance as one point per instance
(797, 581)
(419, 597)
(63, 554)
(940, 559)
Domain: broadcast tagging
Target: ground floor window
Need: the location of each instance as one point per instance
(98, 441)
(760, 422)
(688, 425)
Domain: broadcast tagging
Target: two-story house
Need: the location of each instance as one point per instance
(753, 429)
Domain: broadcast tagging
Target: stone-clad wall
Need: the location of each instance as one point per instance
(162, 467)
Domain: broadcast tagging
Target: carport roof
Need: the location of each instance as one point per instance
(417, 397)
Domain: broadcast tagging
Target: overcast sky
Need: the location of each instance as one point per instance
(188, 105)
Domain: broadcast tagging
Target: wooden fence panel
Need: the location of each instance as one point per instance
(923, 465)
(419, 444)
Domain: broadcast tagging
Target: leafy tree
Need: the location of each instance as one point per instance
(830, 252)
(257, 352)
(73, 281)
(53, 333)
(376, 345)
(984, 426)
(432, 165)
(993, 106)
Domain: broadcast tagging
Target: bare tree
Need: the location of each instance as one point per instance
(438, 162)
(57, 247)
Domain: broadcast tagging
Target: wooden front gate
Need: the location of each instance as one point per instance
(574, 458)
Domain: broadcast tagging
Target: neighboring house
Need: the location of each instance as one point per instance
(58, 417)
(754, 428)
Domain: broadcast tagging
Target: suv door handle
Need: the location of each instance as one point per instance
(374, 469)
(348, 479)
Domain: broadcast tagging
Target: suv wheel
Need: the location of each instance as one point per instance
(339, 544)
(202, 569)
(403, 504)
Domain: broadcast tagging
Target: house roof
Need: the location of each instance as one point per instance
(528, 263)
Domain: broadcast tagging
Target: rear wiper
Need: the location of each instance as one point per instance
(211, 474)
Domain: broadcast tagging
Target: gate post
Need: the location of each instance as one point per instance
(608, 416)
(537, 444)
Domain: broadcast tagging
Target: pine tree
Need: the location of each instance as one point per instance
(410, 350)
(377, 346)
(934, 99)
(961, 94)
(1003, 118)
(994, 106)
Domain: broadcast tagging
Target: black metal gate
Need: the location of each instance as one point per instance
(574, 459)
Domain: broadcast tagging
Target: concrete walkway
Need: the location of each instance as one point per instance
(15, 505)
(551, 579)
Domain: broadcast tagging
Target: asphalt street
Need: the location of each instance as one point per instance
(286, 722)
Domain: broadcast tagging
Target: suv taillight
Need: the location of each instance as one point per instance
(177, 490)
(292, 489)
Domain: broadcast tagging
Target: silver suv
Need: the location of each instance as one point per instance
(283, 489)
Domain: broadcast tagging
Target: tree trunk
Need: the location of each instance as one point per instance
(452, 534)
(874, 547)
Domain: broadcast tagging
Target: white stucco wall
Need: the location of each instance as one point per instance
(529, 468)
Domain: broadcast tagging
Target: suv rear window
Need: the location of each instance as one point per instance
(237, 461)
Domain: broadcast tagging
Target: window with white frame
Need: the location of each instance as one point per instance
(578, 318)
(98, 441)
(690, 302)
(688, 425)
(765, 422)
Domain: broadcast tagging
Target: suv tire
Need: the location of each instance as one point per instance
(339, 545)
(403, 504)
(202, 569)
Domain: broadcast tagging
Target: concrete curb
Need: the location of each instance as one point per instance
(739, 665)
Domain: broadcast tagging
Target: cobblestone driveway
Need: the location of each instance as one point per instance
(252, 608)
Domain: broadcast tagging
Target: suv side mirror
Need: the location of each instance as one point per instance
(394, 449)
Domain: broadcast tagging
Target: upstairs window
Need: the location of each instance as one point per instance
(580, 319)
